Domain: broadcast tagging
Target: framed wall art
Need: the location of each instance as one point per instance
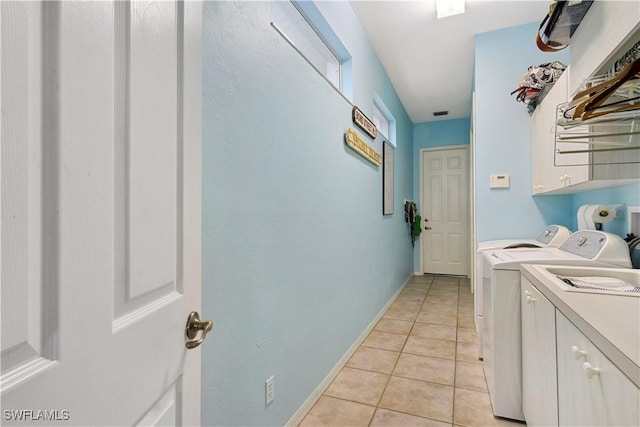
(387, 178)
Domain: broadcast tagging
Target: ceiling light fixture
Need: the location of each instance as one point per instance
(446, 8)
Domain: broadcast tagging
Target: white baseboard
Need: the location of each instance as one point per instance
(315, 395)
(417, 273)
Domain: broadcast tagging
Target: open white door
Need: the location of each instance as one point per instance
(100, 162)
(444, 198)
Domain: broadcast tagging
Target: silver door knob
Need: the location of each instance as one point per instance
(194, 324)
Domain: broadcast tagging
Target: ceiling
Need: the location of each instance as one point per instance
(429, 60)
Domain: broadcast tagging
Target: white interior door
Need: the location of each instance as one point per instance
(100, 162)
(444, 203)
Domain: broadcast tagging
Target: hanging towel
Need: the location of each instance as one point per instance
(416, 227)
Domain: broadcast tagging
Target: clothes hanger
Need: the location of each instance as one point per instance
(592, 90)
(630, 107)
(581, 106)
(572, 108)
(596, 95)
(629, 72)
(587, 93)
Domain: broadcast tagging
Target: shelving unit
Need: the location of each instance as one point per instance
(602, 152)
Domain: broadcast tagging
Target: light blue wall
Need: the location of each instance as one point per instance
(628, 195)
(436, 134)
(297, 256)
(503, 141)
(503, 145)
(440, 133)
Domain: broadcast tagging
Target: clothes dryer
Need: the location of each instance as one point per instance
(501, 303)
(552, 235)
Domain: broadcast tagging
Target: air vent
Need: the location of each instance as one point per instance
(440, 113)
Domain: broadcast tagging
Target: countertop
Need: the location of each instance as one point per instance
(610, 322)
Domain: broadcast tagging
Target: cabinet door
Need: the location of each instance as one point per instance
(550, 175)
(539, 397)
(557, 174)
(536, 120)
(545, 177)
(549, 178)
(591, 390)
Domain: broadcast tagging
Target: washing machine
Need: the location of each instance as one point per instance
(552, 235)
(501, 304)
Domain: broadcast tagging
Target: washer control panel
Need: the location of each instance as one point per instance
(587, 244)
(598, 246)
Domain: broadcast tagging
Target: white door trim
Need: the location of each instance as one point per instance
(421, 183)
(472, 197)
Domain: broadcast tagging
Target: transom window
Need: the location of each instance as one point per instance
(381, 122)
(383, 119)
(304, 27)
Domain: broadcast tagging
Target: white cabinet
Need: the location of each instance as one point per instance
(591, 390)
(599, 37)
(566, 379)
(546, 176)
(608, 30)
(539, 398)
(542, 136)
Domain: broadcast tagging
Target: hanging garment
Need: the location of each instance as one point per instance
(415, 227)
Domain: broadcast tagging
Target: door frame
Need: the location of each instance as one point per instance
(421, 151)
(472, 198)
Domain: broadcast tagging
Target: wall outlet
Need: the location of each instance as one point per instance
(269, 391)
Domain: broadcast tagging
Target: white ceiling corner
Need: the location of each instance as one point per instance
(430, 61)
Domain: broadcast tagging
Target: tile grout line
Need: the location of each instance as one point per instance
(396, 364)
(393, 369)
(455, 365)
(402, 351)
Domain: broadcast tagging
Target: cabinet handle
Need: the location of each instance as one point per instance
(577, 353)
(564, 178)
(590, 370)
(530, 299)
(527, 293)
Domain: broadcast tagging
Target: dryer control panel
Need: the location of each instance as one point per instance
(598, 246)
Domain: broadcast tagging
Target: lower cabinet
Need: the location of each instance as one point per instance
(591, 390)
(539, 398)
(566, 379)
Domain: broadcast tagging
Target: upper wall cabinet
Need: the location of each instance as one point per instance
(546, 176)
(600, 36)
(579, 157)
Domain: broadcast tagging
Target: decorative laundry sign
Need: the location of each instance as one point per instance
(358, 144)
(363, 122)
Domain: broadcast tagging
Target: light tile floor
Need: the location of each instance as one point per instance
(418, 367)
